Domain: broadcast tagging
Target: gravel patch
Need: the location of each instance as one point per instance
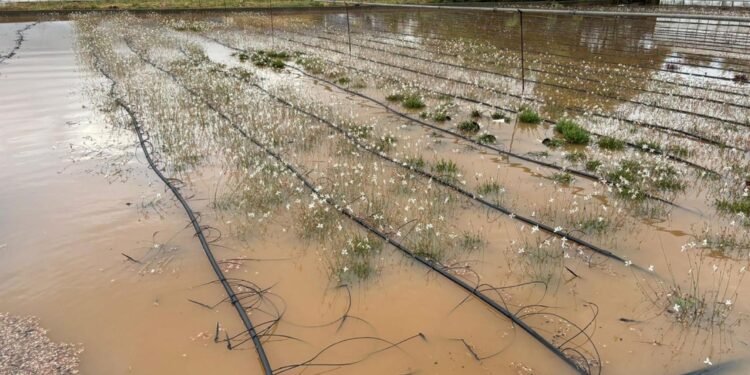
(26, 349)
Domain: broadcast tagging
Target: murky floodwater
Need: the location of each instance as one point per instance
(94, 245)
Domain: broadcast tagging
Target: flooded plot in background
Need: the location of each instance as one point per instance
(599, 199)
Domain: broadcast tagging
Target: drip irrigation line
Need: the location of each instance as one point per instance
(571, 12)
(564, 75)
(663, 39)
(483, 145)
(496, 107)
(353, 139)
(542, 83)
(661, 128)
(385, 237)
(494, 32)
(663, 42)
(194, 221)
(502, 31)
(19, 41)
(616, 65)
(478, 198)
(497, 149)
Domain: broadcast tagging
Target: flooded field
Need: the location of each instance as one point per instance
(378, 192)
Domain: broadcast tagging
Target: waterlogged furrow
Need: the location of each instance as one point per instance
(201, 113)
(607, 156)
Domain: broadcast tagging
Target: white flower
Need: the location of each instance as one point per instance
(535, 229)
(628, 263)
(651, 268)
(344, 252)
(728, 302)
(708, 361)
(676, 307)
(346, 268)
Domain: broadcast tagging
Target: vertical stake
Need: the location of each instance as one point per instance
(348, 29)
(270, 13)
(523, 78)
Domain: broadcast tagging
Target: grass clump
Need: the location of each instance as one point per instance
(412, 101)
(679, 151)
(475, 113)
(446, 169)
(576, 156)
(273, 59)
(416, 162)
(396, 97)
(553, 143)
(487, 138)
(611, 143)
(470, 241)
(439, 114)
(313, 65)
(633, 179)
(489, 187)
(564, 178)
(735, 206)
(593, 165)
(469, 127)
(408, 100)
(385, 143)
(529, 116)
(355, 260)
(499, 116)
(360, 131)
(572, 132)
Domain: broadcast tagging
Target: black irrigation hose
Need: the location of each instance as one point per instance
(382, 35)
(503, 31)
(660, 128)
(443, 182)
(19, 41)
(512, 49)
(363, 223)
(566, 75)
(667, 40)
(542, 83)
(478, 198)
(198, 230)
(487, 146)
(548, 121)
(475, 101)
(590, 42)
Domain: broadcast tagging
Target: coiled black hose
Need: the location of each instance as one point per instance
(194, 221)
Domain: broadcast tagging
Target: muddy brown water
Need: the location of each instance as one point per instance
(78, 194)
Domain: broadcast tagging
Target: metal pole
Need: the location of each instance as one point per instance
(270, 13)
(348, 29)
(560, 11)
(523, 78)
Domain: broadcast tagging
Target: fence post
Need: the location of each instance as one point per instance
(348, 28)
(270, 14)
(523, 78)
